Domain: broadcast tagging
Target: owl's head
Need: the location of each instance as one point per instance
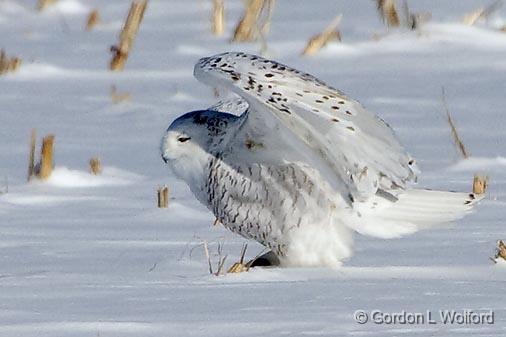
(192, 138)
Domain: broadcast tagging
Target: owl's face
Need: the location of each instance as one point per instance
(177, 143)
(186, 145)
(192, 139)
(184, 140)
(205, 130)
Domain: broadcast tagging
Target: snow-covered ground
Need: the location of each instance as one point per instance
(92, 256)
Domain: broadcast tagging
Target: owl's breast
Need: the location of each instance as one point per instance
(266, 203)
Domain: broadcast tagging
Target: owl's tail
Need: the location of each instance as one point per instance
(414, 210)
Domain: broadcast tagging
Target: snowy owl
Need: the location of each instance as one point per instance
(298, 166)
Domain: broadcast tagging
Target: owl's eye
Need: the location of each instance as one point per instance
(183, 139)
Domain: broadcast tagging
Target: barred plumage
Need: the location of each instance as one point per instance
(297, 165)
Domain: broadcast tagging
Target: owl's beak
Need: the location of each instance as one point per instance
(163, 150)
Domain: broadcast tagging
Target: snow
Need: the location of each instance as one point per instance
(480, 163)
(69, 7)
(63, 177)
(85, 255)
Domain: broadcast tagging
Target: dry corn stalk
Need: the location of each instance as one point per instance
(246, 30)
(480, 184)
(31, 158)
(208, 256)
(265, 26)
(319, 41)
(500, 250)
(481, 13)
(43, 4)
(93, 19)
(471, 18)
(396, 13)
(221, 264)
(417, 19)
(221, 261)
(95, 166)
(388, 12)
(127, 36)
(163, 197)
(240, 266)
(237, 268)
(46, 157)
(118, 97)
(455, 135)
(249, 28)
(218, 17)
(8, 64)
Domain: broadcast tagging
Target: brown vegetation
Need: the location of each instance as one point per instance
(250, 28)
(163, 197)
(95, 166)
(218, 18)
(319, 41)
(119, 97)
(92, 20)
(46, 157)
(31, 158)
(8, 64)
(128, 34)
(43, 4)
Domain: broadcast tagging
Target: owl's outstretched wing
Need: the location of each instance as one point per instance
(355, 147)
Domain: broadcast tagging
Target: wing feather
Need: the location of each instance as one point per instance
(360, 149)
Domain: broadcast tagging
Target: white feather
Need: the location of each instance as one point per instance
(355, 146)
(415, 210)
(297, 166)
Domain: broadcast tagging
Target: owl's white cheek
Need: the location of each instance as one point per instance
(188, 163)
(169, 149)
